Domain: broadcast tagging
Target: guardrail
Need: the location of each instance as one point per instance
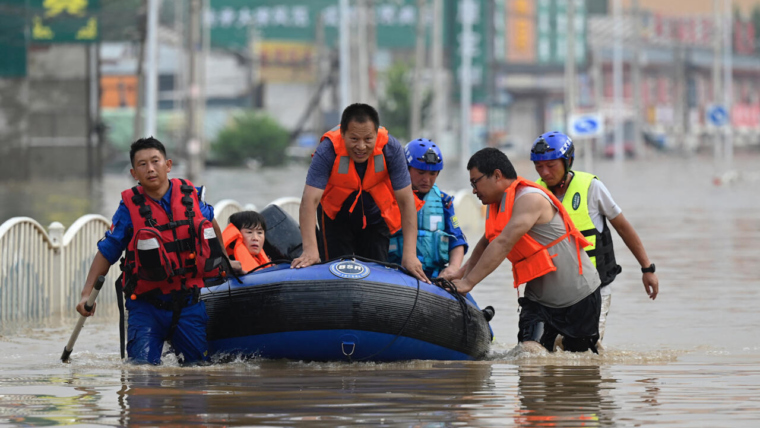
(42, 272)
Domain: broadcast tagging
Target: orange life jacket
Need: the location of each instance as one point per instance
(236, 249)
(530, 259)
(344, 180)
(168, 251)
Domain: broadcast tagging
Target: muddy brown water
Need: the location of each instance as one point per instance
(690, 358)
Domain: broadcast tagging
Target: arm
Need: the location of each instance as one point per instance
(633, 242)
(100, 266)
(528, 210)
(307, 216)
(409, 260)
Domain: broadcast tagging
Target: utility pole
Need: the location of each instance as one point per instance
(439, 92)
(151, 90)
(371, 51)
(636, 80)
(728, 85)
(570, 78)
(345, 70)
(617, 81)
(362, 51)
(419, 64)
(717, 42)
(467, 12)
(193, 145)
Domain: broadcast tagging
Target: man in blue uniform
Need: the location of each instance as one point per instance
(441, 245)
(165, 306)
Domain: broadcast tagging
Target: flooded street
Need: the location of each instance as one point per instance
(689, 358)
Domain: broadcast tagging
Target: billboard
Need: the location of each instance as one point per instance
(118, 91)
(63, 21)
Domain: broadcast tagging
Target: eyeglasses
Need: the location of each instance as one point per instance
(474, 183)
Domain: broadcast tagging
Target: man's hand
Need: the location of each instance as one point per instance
(80, 307)
(237, 267)
(463, 286)
(414, 267)
(308, 258)
(651, 284)
(450, 273)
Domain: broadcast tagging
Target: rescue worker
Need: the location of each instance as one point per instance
(359, 192)
(441, 245)
(528, 225)
(244, 239)
(171, 243)
(590, 205)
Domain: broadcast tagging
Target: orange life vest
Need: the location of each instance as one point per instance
(344, 180)
(530, 259)
(236, 249)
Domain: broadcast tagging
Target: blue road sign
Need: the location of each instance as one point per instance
(717, 115)
(585, 125)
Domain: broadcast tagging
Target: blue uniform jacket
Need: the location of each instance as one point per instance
(117, 238)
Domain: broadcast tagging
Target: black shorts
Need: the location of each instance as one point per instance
(344, 237)
(578, 324)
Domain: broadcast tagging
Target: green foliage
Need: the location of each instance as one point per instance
(252, 135)
(120, 20)
(395, 107)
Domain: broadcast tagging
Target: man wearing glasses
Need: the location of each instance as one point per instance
(529, 226)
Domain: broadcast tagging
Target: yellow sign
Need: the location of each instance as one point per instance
(72, 7)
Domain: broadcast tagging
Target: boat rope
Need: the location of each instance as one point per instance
(449, 287)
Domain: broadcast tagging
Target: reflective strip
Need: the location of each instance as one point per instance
(379, 164)
(209, 233)
(343, 167)
(503, 203)
(147, 244)
(488, 213)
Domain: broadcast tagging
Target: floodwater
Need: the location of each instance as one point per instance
(690, 358)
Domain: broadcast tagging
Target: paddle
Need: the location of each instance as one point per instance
(80, 323)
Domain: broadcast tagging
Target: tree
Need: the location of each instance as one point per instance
(395, 107)
(252, 135)
(755, 19)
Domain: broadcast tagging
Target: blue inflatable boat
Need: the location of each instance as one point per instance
(346, 310)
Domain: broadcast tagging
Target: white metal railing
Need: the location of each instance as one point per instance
(471, 215)
(78, 249)
(42, 272)
(224, 209)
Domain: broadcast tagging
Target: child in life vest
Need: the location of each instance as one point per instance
(244, 239)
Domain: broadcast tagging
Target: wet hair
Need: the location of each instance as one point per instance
(145, 143)
(248, 220)
(359, 113)
(489, 160)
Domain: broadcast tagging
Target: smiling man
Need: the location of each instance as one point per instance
(359, 191)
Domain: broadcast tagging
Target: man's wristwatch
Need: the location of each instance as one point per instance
(648, 269)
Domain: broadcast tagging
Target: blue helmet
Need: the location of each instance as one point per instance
(423, 154)
(553, 145)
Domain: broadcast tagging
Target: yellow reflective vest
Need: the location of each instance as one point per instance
(600, 251)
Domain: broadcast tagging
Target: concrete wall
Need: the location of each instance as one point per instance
(13, 128)
(44, 119)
